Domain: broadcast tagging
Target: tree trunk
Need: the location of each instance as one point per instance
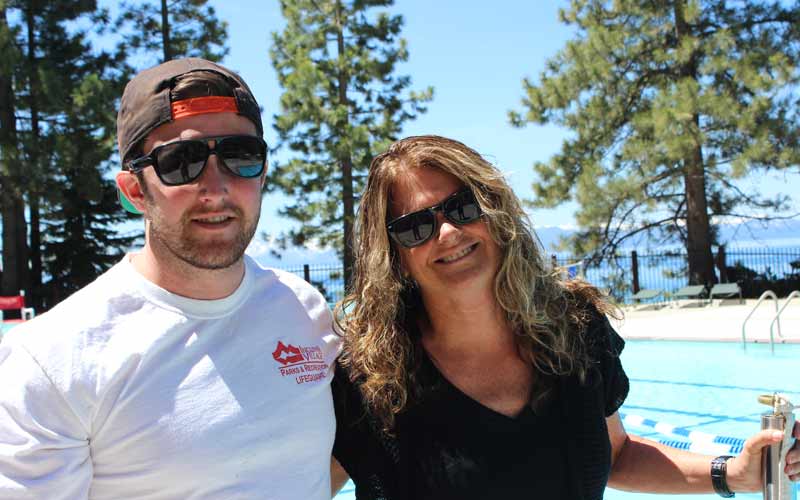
(15, 249)
(698, 233)
(34, 158)
(345, 161)
(165, 31)
(36, 291)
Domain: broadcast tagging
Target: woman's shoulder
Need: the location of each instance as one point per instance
(600, 336)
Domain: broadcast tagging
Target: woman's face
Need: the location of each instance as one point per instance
(457, 258)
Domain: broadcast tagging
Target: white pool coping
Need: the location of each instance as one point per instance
(715, 322)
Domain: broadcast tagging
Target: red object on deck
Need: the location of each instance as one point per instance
(15, 302)
(12, 302)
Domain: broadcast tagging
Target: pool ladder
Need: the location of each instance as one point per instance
(769, 294)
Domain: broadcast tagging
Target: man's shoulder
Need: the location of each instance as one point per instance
(87, 311)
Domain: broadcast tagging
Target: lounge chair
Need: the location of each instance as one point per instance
(647, 294)
(725, 291)
(694, 295)
(13, 302)
(572, 270)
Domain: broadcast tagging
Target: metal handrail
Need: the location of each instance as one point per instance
(777, 318)
(768, 294)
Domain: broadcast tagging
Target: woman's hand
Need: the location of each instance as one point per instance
(744, 471)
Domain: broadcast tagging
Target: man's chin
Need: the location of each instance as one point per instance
(211, 263)
(213, 255)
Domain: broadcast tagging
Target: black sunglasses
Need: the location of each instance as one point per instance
(416, 228)
(182, 162)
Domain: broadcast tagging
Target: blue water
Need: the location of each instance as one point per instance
(656, 271)
(703, 386)
(6, 327)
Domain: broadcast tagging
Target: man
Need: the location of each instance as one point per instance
(186, 370)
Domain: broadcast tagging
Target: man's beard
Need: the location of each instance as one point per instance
(208, 252)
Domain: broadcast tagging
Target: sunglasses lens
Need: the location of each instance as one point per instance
(462, 208)
(181, 162)
(244, 156)
(414, 229)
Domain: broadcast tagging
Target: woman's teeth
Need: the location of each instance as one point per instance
(456, 256)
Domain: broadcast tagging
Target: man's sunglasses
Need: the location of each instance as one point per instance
(182, 162)
(416, 228)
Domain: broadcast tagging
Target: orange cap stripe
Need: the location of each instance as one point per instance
(203, 105)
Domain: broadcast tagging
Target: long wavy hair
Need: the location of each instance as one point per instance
(378, 316)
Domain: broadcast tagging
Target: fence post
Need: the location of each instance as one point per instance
(306, 273)
(554, 261)
(635, 270)
(722, 265)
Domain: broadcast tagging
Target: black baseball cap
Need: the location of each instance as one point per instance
(146, 104)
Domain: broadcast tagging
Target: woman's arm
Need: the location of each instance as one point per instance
(338, 477)
(639, 464)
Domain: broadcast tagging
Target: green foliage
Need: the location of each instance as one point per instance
(194, 30)
(64, 101)
(652, 90)
(82, 215)
(342, 103)
(56, 156)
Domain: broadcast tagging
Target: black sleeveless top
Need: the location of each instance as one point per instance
(447, 445)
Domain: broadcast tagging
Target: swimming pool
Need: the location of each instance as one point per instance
(5, 328)
(701, 386)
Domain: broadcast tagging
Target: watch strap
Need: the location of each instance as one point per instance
(719, 476)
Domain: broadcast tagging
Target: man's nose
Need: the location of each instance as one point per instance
(213, 180)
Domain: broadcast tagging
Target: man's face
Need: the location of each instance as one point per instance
(209, 222)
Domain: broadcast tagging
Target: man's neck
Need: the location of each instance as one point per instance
(181, 278)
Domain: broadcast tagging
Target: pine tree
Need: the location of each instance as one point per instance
(58, 77)
(342, 103)
(669, 103)
(83, 214)
(12, 203)
(173, 29)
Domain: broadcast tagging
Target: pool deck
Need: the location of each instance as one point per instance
(715, 322)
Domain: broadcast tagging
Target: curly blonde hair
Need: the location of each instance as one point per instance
(378, 316)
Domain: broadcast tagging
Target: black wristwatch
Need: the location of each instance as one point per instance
(719, 473)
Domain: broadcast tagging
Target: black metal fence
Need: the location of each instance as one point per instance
(755, 269)
(327, 278)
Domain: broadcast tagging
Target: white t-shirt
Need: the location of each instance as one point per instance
(127, 391)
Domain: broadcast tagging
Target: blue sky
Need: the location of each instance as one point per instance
(475, 55)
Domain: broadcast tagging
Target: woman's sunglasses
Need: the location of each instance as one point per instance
(182, 162)
(416, 228)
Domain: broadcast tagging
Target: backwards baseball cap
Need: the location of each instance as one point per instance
(147, 104)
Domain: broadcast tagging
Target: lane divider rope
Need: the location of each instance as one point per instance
(700, 442)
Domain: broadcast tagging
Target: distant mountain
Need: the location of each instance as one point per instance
(291, 257)
(781, 233)
(776, 233)
(550, 236)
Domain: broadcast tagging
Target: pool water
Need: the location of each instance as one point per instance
(5, 328)
(710, 387)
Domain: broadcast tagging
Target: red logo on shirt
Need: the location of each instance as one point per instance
(306, 364)
(285, 355)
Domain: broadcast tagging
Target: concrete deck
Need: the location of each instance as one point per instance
(721, 321)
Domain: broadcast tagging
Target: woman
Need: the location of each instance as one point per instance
(470, 370)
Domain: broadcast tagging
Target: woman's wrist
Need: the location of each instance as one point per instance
(719, 476)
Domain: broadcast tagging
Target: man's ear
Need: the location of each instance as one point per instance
(128, 184)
